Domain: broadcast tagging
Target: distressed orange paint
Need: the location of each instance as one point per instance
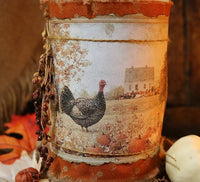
(139, 170)
(72, 9)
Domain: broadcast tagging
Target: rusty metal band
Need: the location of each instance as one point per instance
(99, 159)
(72, 151)
(52, 38)
(112, 19)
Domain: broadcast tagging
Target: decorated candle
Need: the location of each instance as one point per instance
(109, 77)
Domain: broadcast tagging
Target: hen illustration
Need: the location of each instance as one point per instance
(84, 111)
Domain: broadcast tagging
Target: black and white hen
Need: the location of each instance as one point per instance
(84, 111)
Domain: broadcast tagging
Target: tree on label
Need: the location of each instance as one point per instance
(70, 60)
(114, 93)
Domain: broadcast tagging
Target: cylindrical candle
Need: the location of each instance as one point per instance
(110, 80)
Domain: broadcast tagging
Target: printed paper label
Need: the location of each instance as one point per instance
(111, 91)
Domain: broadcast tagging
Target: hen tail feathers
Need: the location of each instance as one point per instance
(67, 100)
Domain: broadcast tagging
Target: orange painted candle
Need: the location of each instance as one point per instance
(110, 75)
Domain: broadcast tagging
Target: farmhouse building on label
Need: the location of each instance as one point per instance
(138, 79)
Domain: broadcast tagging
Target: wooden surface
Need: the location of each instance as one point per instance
(193, 48)
(21, 24)
(181, 121)
(183, 105)
(176, 75)
(184, 54)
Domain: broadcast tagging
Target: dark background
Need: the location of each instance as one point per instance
(183, 106)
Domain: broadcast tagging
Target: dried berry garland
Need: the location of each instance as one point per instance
(42, 96)
(160, 180)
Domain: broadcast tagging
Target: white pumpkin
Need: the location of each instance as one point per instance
(183, 160)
